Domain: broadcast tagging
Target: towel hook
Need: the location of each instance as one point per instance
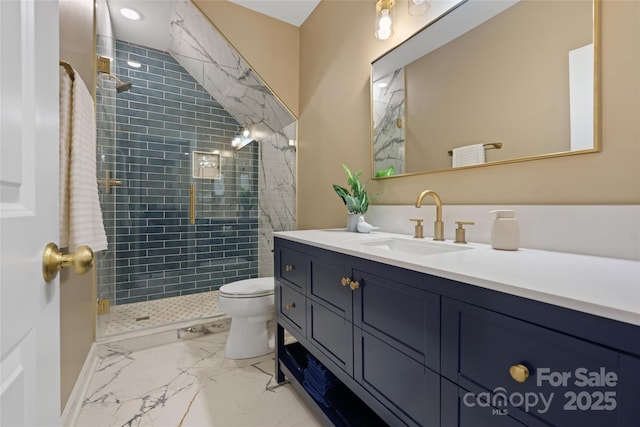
(108, 182)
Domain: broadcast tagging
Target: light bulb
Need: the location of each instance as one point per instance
(385, 20)
(384, 25)
(384, 33)
(246, 133)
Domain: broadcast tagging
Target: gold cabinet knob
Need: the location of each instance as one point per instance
(290, 306)
(289, 267)
(345, 281)
(519, 373)
(53, 261)
(354, 285)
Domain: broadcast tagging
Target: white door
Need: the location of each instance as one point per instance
(29, 307)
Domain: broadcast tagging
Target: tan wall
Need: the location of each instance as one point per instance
(270, 46)
(77, 293)
(334, 125)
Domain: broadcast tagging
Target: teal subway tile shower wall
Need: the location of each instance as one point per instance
(159, 123)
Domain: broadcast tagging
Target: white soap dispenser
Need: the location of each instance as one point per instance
(505, 233)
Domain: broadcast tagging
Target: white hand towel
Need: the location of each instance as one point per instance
(85, 224)
(468, 155)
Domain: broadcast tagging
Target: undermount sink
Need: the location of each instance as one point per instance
(412, 247)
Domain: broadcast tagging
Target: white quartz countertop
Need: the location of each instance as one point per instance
(606, 287)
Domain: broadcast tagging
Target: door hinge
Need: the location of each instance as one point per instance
(103, 306)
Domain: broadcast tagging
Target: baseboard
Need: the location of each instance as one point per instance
(72, 408)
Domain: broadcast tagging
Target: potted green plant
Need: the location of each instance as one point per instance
(357, 201)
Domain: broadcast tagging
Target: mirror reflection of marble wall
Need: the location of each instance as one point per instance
(507, 80)
(388, 120)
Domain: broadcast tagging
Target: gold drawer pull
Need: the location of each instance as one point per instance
(520, 373)
(290, 306)
(354, 285)
(289, 267)
(345, 281)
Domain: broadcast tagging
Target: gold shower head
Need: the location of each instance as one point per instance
(103, 65)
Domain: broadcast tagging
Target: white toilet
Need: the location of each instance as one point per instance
(250, 304)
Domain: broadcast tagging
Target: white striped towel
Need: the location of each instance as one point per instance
(85, 226)
(468, 155)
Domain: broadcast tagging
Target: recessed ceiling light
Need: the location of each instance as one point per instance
(130, 14)
(134, 64)
(383, 84)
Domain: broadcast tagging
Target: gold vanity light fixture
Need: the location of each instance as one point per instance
(384, 19)
(418, 7)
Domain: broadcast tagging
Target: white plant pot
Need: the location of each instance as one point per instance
(352, 222)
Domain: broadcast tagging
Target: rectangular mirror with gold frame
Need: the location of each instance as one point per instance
(514, 80)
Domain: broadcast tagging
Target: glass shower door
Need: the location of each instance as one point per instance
(105, 167)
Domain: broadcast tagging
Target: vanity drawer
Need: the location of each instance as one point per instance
(581, 379)
(330, 283)
(403, 316)
(292, 307)
(398, 381)
(331, 334)
(292, 267)
(460, 409)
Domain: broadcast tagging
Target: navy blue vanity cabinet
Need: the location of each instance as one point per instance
(397, 345)
(366, 322)
(403, 316)
(513, 371)
(291, 267)
(458, 411)
(291, 288)
(402, 384)
(421, 350)
(292, 308)
(330, 308)
(330, 282)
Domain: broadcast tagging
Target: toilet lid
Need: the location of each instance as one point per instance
(259, 287)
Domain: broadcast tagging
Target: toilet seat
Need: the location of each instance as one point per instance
(249, 288)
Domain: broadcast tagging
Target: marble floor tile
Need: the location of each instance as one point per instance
(188, 384)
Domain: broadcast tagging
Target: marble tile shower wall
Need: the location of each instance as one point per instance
(160, 122)
(193, 41)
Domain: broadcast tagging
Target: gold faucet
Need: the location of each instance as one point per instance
(438, 225)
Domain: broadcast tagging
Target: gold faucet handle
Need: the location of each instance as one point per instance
(419, 233)
(460, 231)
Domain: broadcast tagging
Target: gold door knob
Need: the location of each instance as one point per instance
(354, 285)
(53, 261)
(290, 306)
(289, 267)
(520, 373)
(345, 281)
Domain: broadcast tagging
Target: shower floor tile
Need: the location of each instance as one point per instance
(188, 384)
(147, 314)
